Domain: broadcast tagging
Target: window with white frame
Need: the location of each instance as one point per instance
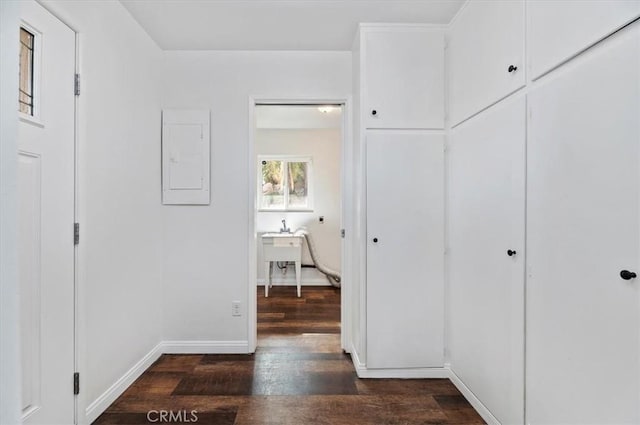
(284, 183)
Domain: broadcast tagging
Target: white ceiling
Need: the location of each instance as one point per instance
(275, 24)
(291, 117)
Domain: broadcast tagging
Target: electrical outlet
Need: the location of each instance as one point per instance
(235, 308)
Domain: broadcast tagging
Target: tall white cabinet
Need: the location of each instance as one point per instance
(542, 197)
(583, 226)
(544, 211)
(405, 229)
(399, 78)
(486, 257)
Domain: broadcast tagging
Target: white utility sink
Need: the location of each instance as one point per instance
(281, 247)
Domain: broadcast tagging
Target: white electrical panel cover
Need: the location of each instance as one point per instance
(185, 156)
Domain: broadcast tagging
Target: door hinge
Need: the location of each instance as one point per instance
(342, 233)
(76, 85)
(76, 383)
(76, 233)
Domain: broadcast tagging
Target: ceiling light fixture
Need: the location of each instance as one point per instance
(327, 109)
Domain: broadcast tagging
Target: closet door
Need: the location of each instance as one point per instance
(486, 257)
(405, 261)
(583, 317)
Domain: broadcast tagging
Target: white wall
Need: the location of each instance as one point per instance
(324, 148)
(119, 191)
(9, 315)
(206, 247)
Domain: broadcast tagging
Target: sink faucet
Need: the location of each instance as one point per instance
(285, 229)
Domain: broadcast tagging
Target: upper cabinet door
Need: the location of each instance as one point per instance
(552, 41)
(404, 78)
(486, 55)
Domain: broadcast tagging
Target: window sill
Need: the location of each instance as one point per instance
(30, 119)
(307, 210)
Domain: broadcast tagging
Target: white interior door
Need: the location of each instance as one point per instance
(405, 259)
(583, 319)
(46, 216)
(486, 281)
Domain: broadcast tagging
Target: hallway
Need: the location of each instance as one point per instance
(298, 375)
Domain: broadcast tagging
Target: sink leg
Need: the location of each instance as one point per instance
(298, 275)
(267, 277)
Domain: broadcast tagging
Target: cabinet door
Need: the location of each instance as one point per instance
(486, 43)
(583, 336)
(486, 284)
(405, 261)
(404, 78)
(552, 41)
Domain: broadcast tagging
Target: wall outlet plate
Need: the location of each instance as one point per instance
(235, 308)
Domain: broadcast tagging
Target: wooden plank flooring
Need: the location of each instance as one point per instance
(298, 376)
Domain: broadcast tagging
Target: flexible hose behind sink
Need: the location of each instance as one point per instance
(332, 276)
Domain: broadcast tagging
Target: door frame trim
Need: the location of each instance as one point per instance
(347, 212)
(78, 324)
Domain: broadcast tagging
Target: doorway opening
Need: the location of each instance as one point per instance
(297, 238)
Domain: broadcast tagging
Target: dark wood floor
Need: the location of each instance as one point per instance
(298, 376)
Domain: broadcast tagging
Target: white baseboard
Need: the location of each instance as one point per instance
(410, 373)
(205, 347)
(355, 359)
(472, 399)
(444, 372)
(309, 277)
(314, 281)
(100, 404)
(97, 407)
